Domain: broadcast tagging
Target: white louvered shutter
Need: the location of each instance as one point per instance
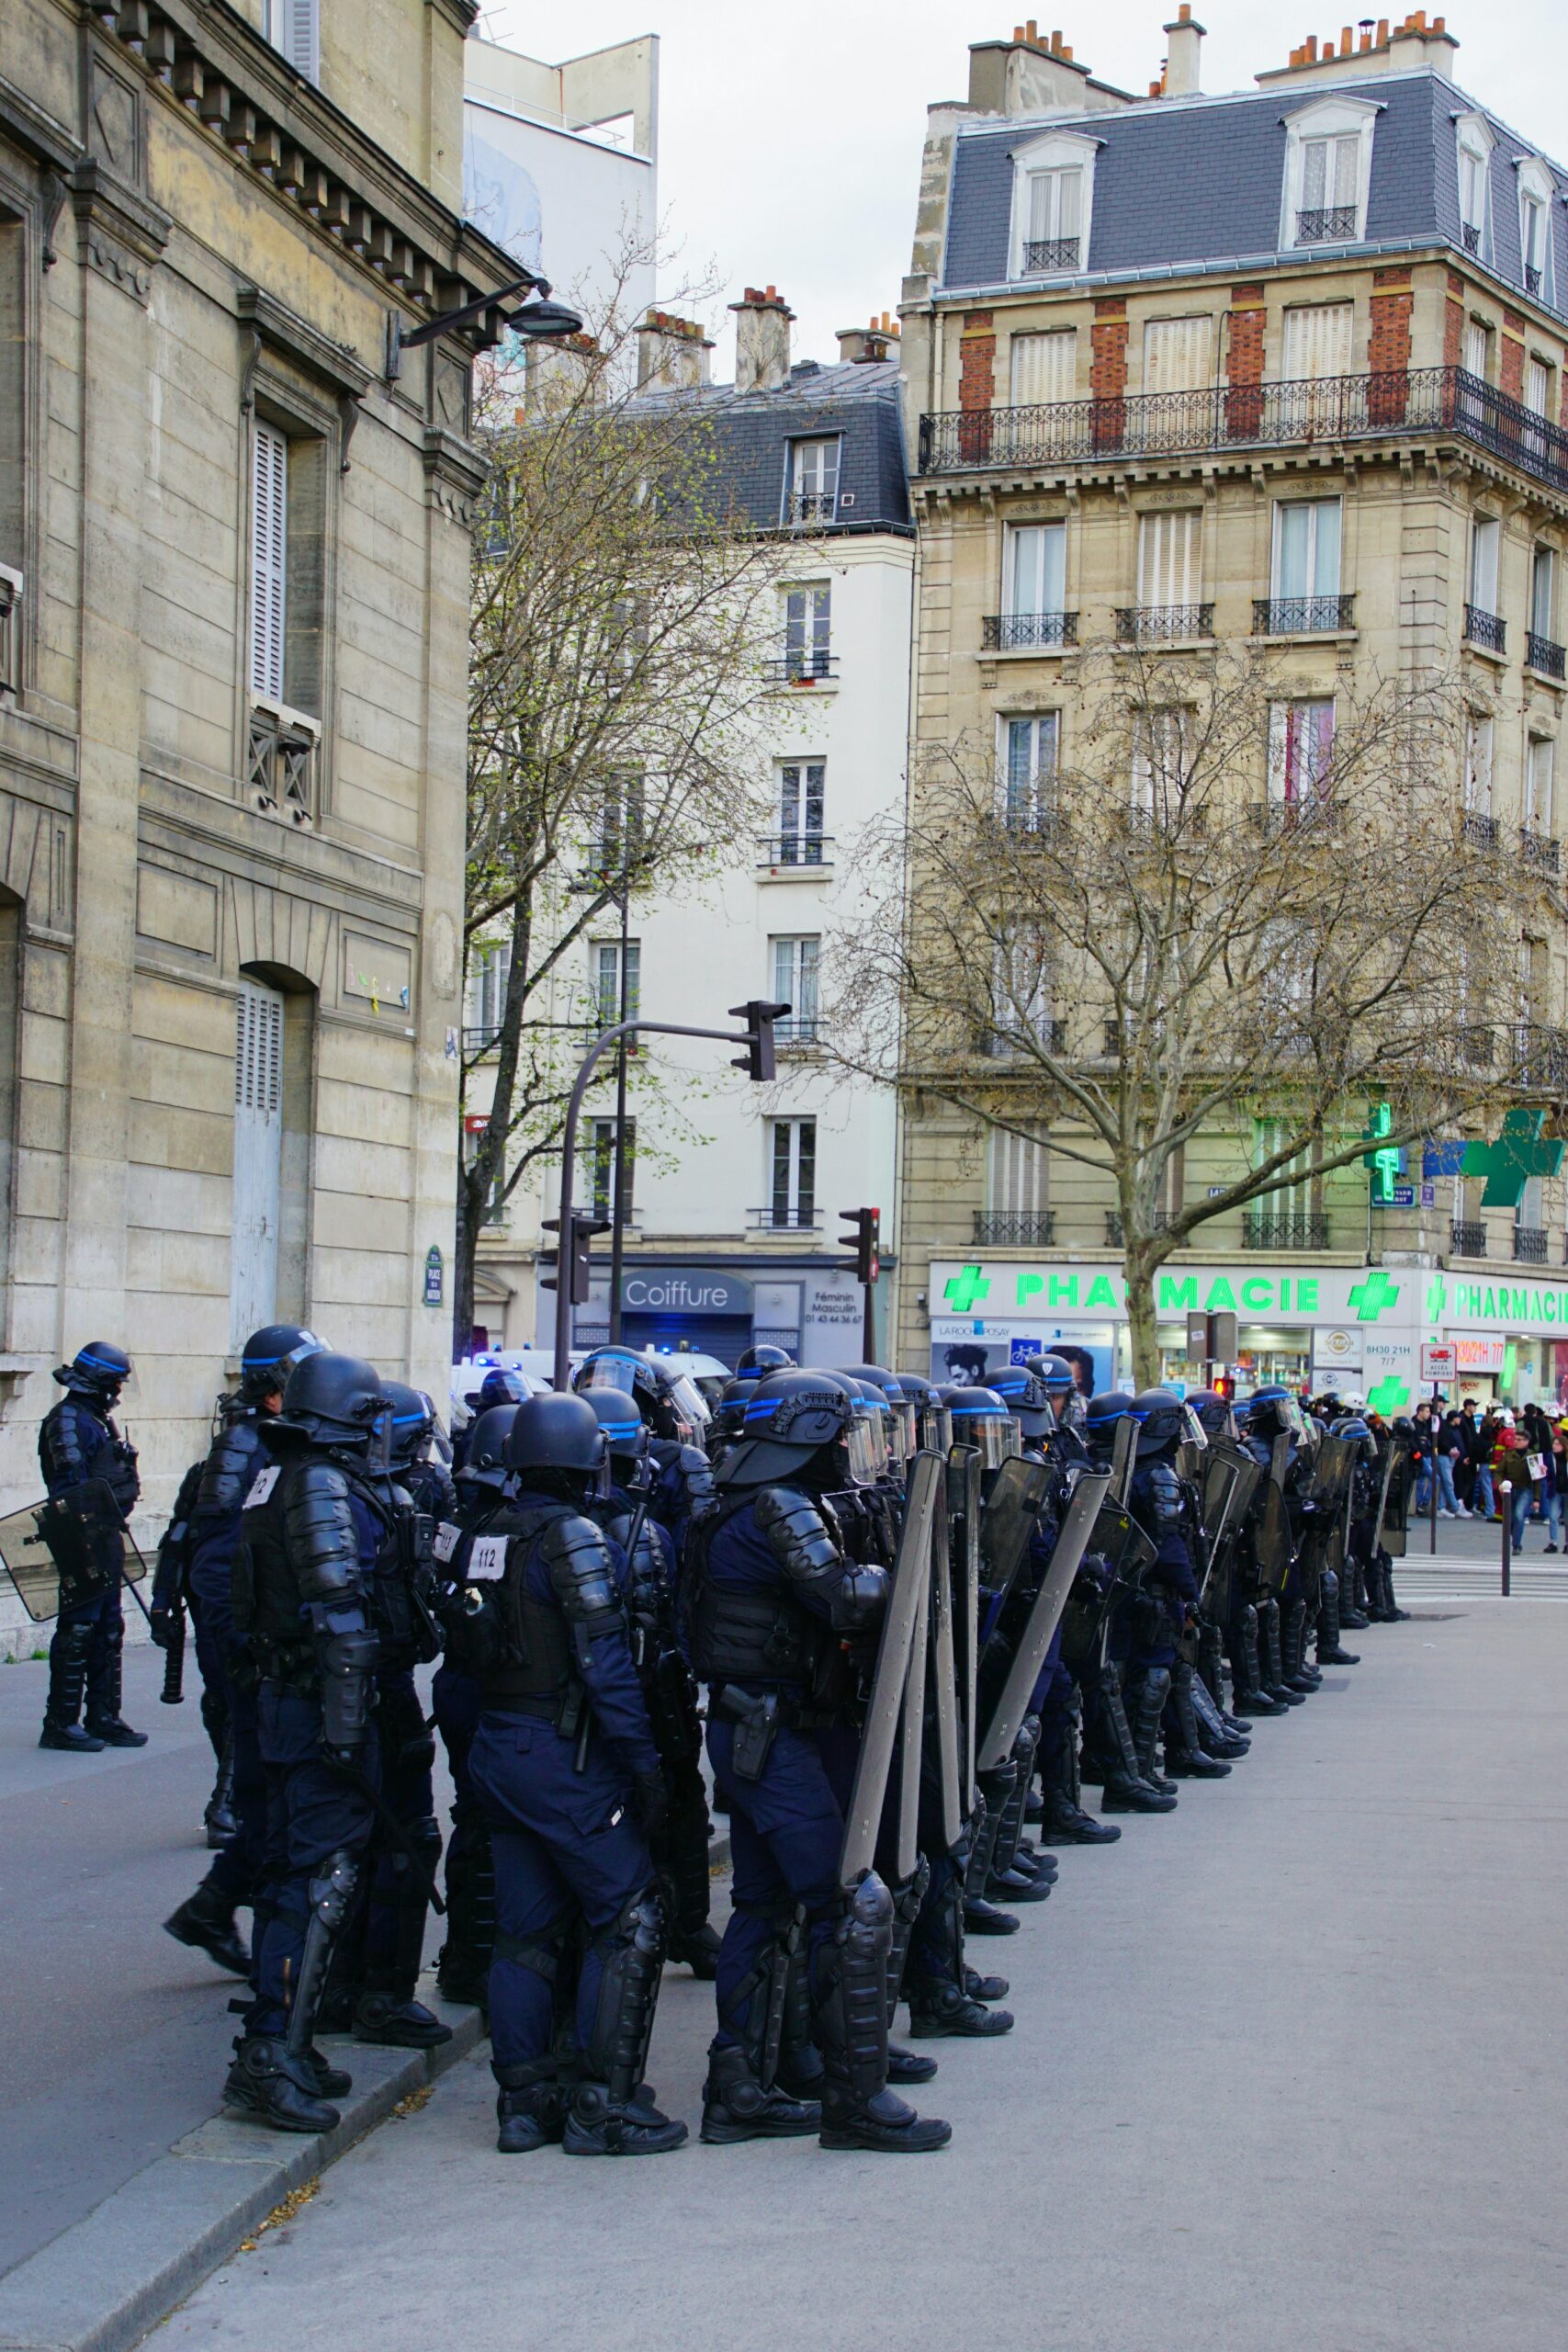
(1318, 342)
(1179, 355)
(258, 1159)
(269, 558)
(296, 30)
(1044, 369)
(1170, 558)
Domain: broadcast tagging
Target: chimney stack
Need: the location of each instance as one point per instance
(671, 353)
(762, 322)
(1184, 40)
(857, 346)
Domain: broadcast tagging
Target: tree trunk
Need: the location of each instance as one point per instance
(1139, 1265)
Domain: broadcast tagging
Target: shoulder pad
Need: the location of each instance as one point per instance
(797, 1534)
(323, 1542)
(229, 1469)
(581, 1564)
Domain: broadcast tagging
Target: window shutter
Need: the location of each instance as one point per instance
(1537, 388)
(1317, 341)
(1179, 355)
(269, 553)
(258, 1160)
(298, 34)
(1044, 368)
(1475, 348)
(1171, 570)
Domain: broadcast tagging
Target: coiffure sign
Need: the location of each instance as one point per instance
(677, 1291)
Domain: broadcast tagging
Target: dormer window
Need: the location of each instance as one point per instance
(1536, 192)
(1053, 196)
(1328, 157)
(1475, 145)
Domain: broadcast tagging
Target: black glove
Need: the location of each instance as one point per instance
(160, 1627)
(650, 1804)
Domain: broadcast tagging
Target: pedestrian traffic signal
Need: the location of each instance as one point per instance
(862, 1237)
(584, 1225)
(757, 1061)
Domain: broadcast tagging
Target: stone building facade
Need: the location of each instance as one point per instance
(235, 527)
(1287, 368)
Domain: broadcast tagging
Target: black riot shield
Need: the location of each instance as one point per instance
(1124, 1458)
(69, 1549)
(995, 1742)
(1272, 1525)
(943, 1668)
(963, 1476)
(1231, 1479)
(1393, 1511)
(906, 1603)
(1329, 1489)
(1012, 1508)
(1125, 1555)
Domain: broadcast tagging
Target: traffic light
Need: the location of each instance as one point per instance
(757, 1061)
(578, 1253)
(862, 1237)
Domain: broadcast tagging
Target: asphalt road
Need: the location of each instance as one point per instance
(1288, 2076)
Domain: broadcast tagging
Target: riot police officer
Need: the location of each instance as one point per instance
(668, 1401)
(681, 1854)
(206, 1919)
(564, 1765)
(1125, 1725)
(1166, 1507)
(775, 1606)
(1061, 1709)
(78, 1441)
(303, 1597)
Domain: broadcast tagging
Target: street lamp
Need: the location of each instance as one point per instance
(538, 322)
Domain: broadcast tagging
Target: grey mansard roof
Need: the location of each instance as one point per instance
(859, 403)
(1195, 183)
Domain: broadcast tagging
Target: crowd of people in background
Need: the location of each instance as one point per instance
(1480, 1451)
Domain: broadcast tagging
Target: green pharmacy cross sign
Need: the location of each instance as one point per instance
(1369, 1298)
(965, 1290)
(1386, 1160)
(1520, 1152)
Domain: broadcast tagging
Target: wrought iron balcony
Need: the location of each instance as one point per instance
(281, 763)
(799, 1216)
(1539, 850)
(1478, 1047)
(1283, 1229)
(1485, 629)
(1301, 616)
(1012, 632)
(1049, 1036)
(807, 665)
(1042, 253)
(1467, 1237)
(1021, 819)
(1327, 224)
(802, 1031)
(1318, 811)
(1532, 280)
(1014, 1229)
(1473, 236)
(794, 853)
(1393, 404)
(1162, 624)
(1113, 1231)
(806, 509)
(1529, 1244)
(1480, 832)
(1541, 654)
(482, 1040)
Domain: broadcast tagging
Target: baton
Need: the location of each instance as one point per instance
(399, 1837)
(174, 1690)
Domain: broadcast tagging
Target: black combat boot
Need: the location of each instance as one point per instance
(1293, 1651)
(219, 1821)
(943, 2001)
(1065, 1822)
(1217, 1735)
(736, 2105)
(205, 1922)
(103, 1719)
(269, 2081)
(850, 2004)
(1271, 1628)
(1331, 1650)
(387, 2010)
(611, 2113)
(67, 1678)
(744, 2096)
(984, 1988)
(530, 2107)
(906, 2065)
(1126, 1788)
(1248, 1696)
(1184, 1756)
(1145, 1709)
(1353, 1614)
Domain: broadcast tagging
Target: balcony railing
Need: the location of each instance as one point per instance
(1480, 832)
(1485, 629)
(1162, 624)
(806, 666)
(1473, 236)
(1532, 280)
(801, 1216)
(1327, 224)
(1113, 1231)
(1392, 404)
(804, 1029)
(1295, 815)
(1529, 1244)
(482, 1040)
(794, 853)
(806, 509)
(281, 763)
(1478, 1047)
(1041, 254)
(1016, 1036)
(1301, 616)
(1539, 850)
(1467, 1237)
(1541, 654)
(1014, 1229)
(1010, 632)
(1283, 1229)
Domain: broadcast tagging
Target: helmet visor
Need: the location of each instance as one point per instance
(866, 1449)
(1194, 1433)
(905, 1438)
(689, 1405)
(612, 1371)
(995, 1435)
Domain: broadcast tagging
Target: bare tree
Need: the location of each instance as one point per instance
(621, 608)
(1218, 909)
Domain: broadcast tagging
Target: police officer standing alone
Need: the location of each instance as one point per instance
(78, 1441)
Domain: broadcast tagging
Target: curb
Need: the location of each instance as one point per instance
(103, 2283)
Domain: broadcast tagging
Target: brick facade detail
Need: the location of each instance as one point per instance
(978, 361)
(1244, 360)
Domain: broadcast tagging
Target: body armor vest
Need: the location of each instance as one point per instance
(537, 1659)
(742, 1635)
(267, 1603)
(229, 1471)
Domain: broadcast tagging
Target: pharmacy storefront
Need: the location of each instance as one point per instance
(1340, 1328)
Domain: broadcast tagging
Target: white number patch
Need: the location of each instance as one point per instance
(487, 1561)
(447, 1539)
(262, 1485)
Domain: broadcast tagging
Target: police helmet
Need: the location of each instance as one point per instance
(729, 1412)
(413, 1419)
(903, 1438)
(1024, 1395)
(792, 1416)
(1166, 1422)
(626, 1431)
(980, 1419)
(1062, 1388)
(1273, 1412)
(933, 1422)
(667, 1398)
(269, 1356)
(558, 1440)
(100, 1370)
(484, 1464)
(338, 1401)
(752, 1363)
(501, 1386)
(1105, 1411)
(874, 1410)
(1213, 1411)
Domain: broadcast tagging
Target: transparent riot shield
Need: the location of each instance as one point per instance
(963, 1474)
(1333, 1468)
(1007, 1521)
(61, 1552)
(912, 1724)
(944, 1683)
(995, 1742)
(1231, 1479)
(1394, 1513)
(1271, 1531)
(906, 1602)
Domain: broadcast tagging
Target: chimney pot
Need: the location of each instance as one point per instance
(1346, 44)
(1067, 52)
(1184, 13)
(1382, 41)
(1180, 73)
(762, 322)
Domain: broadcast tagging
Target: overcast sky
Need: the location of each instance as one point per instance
(790, 138)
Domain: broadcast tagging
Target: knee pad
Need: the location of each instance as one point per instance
(331, 1889)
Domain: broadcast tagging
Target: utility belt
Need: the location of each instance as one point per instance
(758, 1716)
(292, 1664)
(566, 1707)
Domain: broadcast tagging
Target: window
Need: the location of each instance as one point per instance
(1330, 170)
(1043, 368)
(1170, 564)
(1030, 748)
(1159, 758)
(1017, 1169)
(1485, 535)
(1318, 341)
(1475, 144)
(1328, 156)
(1179, 355)
(811, 481)
(1478, 764)
(257, 1208)
(607, 981)
(802, 787)
(1294, 1199)
(1307, 567)
(489, 970)
(792, 1160)
(1036, 570)
(1021, 992)
(808, 621)
(795, 965)
(1539, 761)
(1301, 752)
(1537, 190)
(269, 559)
(618, 827)
(1478, 349)
(293, 27)
(1053, 200)
(601, 1167)
(1538, 387)
(1544, 598)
